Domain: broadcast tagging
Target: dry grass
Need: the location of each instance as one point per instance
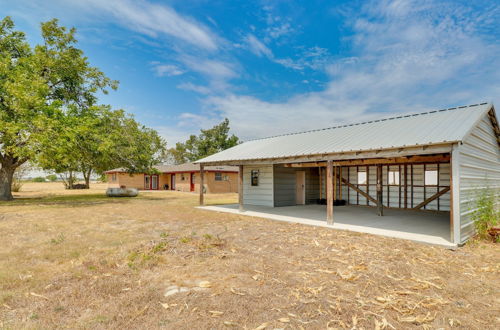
(77, 259)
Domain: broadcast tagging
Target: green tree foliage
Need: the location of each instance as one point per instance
(208, 142)
(35, 84)
(97, 139)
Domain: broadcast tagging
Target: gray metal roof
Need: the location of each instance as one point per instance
(427, 128)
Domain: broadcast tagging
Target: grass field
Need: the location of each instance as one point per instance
(77, 259)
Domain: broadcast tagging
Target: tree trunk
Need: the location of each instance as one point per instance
(6, 175)
(86, 176)
(70, 180)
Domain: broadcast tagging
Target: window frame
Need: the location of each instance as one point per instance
(254, 178)
(113, 177)
(366, 178)
(218, 176)
(435, 178)
(397, 178)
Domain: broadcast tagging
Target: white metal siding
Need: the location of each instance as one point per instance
(263, 193)
(393, 195)
(285, 185)
(479, 168)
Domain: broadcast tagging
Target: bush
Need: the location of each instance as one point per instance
(51, 177)
(486, 214)
(19, 174)
(39, 179)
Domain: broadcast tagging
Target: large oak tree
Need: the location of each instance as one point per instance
(35, 84)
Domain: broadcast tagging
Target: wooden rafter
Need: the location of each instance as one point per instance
(442, 158)
(433, 197)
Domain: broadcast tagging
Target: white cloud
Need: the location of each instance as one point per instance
(154, 20)
(406, 57)
(257, 47)
(162, 70)
(314, 58)
(195, 88)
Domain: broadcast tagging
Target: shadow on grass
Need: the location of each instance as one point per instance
(80, 200)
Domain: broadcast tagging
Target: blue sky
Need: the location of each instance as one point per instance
(273, 67)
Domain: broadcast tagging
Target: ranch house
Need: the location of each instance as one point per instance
(184, 177)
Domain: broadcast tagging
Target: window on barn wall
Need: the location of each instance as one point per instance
(113, 177)
(254, 177)
(431, 178)
(362, 177)
(393, 178)
(218, 176)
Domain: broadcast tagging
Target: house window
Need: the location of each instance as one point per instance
(218, 176)
(255, 177)
(183, 178)
(361, 177)
(431, 178)
(393, 178)
(113, 177)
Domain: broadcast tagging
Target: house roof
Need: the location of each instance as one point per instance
(186, 167)
(427, 128)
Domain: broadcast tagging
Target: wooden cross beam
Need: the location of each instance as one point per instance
(361, 192)
(433, 197)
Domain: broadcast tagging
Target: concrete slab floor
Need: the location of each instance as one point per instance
(420, 226)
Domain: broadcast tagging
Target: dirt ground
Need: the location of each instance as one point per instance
(77, 259)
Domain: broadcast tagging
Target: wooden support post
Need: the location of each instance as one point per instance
(335, 183)
(368, 184)
(320, 184)
(340, 182)
(240, 188)
(380, 206)
(329, 192)
(202, 179)
(399, 185)
(406, 186)
(348, 194)
(438, 181)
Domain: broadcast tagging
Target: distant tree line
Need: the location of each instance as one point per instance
(208, 142)
(50, 115)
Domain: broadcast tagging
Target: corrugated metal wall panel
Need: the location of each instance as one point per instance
(479, 162)
(285, 184)
(393, 195)
(263, 193)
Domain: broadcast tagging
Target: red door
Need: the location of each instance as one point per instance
(172, 182)
(192, 182)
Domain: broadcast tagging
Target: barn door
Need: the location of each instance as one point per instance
(300, 187)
